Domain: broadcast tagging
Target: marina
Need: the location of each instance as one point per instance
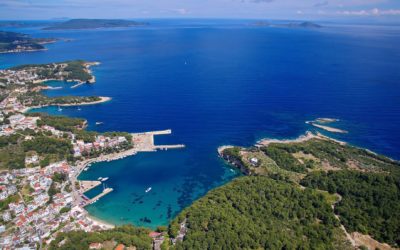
(142, 142)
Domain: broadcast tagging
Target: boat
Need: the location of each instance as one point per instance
(104, 179)
(85, 169)
(99, 178)
(59, 109)
(99, 123)
(148, 190)
(79, 109)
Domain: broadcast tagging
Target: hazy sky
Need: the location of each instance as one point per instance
(269, 9)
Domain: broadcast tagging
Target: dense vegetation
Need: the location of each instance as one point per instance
(368, 183)
(283, 158)
(127, 235)
(12, 155)
(75, 70)
(44, 145)
(370, 201)
(38, 99)
(93, 24)
(60, 122)
(259, 213)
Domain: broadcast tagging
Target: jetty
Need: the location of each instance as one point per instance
(88, 185)
(144, 142)
(97, 197)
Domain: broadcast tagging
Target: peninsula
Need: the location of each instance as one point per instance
(325, 193)
(77, 24)
(21, 85)
(12, 42)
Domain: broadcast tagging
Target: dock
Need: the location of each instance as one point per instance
(144, 142)
(88, 185)
(97, 197)
(166, 147)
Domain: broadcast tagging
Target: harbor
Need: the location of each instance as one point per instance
(142, 142)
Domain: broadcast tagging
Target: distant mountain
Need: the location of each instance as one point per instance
(287, 25)
(18, 42)
(93, 24)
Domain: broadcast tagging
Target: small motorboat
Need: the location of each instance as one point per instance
(148, 190)
(99, 123)
(104, 179)
(100, 178)
(59, 109)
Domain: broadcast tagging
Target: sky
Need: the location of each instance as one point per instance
(265, 9)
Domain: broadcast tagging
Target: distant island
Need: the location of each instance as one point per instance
(93, 24)
(11, 42)
(25, 24)
(287, 25)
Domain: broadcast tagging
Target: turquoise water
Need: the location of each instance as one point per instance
(222, 82)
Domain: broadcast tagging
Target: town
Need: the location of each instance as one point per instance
(41, 157)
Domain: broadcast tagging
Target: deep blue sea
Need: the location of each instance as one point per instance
(216, 82)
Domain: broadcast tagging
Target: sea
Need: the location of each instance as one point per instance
(219, 82)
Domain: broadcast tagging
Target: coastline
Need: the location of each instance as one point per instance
(21, 51)
(302, 138)
(105, 225)
(327, 128)
(102, 100)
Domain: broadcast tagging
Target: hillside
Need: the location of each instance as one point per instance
(367, 185)
(18, 42)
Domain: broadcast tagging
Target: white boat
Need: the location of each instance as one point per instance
(79, 109)
(99, 178)
(85, 169)
(104, 179)
(59, 109)
(99, 123)
(148, 190)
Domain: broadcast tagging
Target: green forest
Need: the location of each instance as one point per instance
(368, 184)
(370, 201)
(260, 213)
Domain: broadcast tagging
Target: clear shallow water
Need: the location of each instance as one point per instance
(216, 83)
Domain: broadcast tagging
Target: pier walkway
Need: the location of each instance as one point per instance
(144, 142)
(97, 197)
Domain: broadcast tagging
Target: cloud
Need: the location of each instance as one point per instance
(372, 12)
(257, 1)
(181, 11)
